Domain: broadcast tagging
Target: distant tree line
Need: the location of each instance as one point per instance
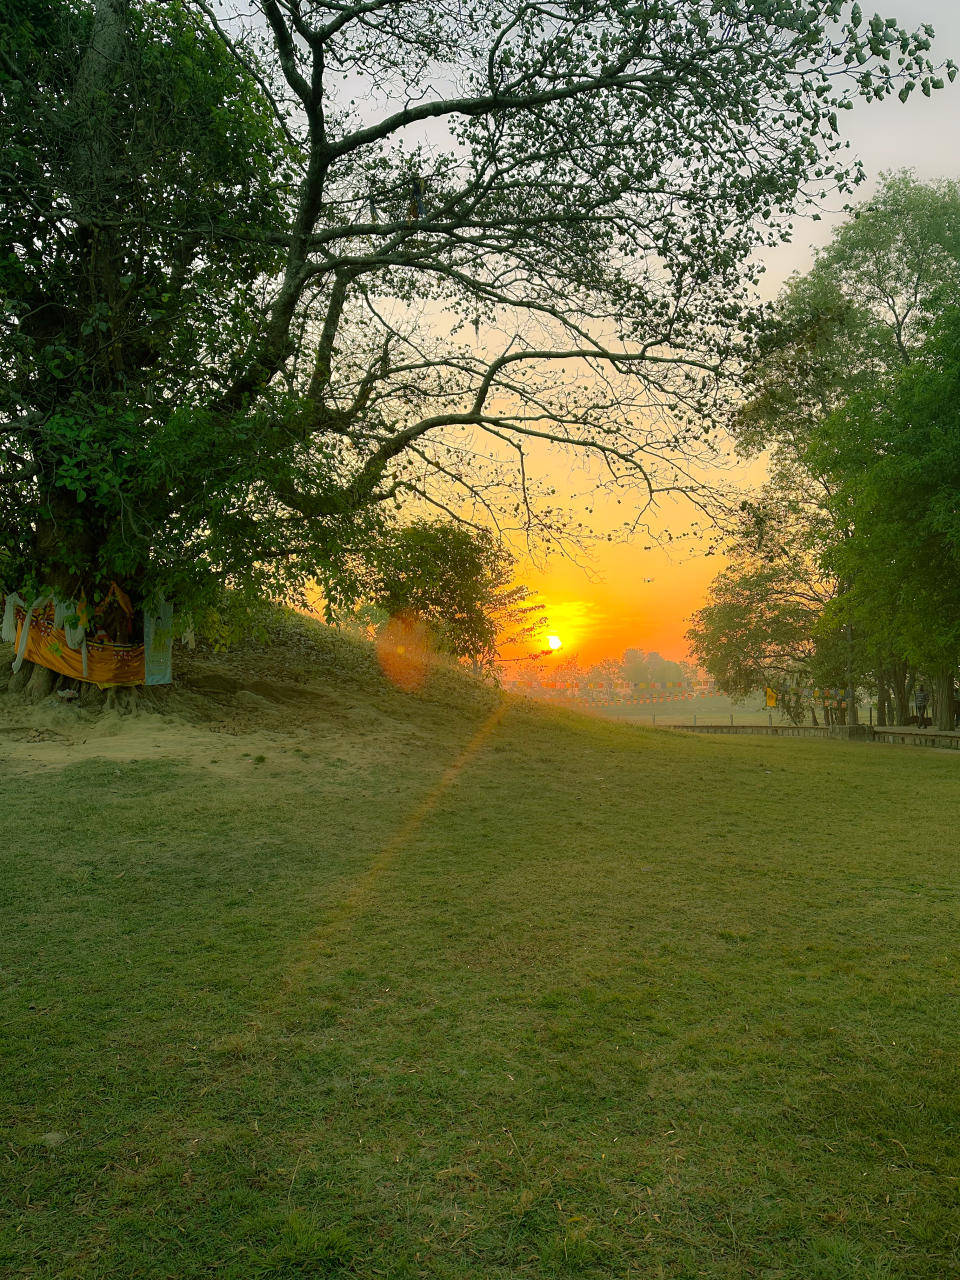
(635, 671)
(844, 570)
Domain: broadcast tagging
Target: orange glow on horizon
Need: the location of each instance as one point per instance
(630, 598)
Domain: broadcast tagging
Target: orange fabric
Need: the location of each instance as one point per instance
(121, 597)
(108, 665)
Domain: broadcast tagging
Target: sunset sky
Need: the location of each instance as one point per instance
(625, 596)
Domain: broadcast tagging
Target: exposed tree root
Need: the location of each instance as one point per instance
(33, 683)
(126, 701)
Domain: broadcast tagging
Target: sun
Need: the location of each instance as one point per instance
(554, 642)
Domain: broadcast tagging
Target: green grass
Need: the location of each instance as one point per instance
(602, 1002)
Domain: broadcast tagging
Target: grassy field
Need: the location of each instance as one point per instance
(448, 990)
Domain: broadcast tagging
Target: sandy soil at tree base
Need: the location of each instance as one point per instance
(221, 710)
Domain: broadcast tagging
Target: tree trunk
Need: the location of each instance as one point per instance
(124, 700)
(901, 692)
(883, 702)
(41, 682)
(943, 696)
(34, 683)
(20, 679)
(883, 696)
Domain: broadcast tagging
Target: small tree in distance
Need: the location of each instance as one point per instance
(759, 627)
(459, 581)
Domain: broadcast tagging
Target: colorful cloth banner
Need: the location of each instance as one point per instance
(98, 661)
(43, 635)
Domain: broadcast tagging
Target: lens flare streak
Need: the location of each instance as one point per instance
(353, 900)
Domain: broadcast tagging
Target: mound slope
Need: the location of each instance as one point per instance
(298, 678)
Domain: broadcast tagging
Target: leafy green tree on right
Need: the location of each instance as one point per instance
(893, 456)
(848, 349)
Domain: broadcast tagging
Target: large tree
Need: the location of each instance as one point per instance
(826, 367)
(137, 157)
(267, 277)
(893, 459)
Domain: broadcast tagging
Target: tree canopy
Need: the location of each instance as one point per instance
(459, 582)
(270, 276)
(759, 626)
(852, 391)
(893, 459)
(860, 313)
(129, 134)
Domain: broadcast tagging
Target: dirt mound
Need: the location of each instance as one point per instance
(301, 686)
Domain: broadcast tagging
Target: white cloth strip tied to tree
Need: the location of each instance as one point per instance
(64, 619)
(8, 630)
(39, 603)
